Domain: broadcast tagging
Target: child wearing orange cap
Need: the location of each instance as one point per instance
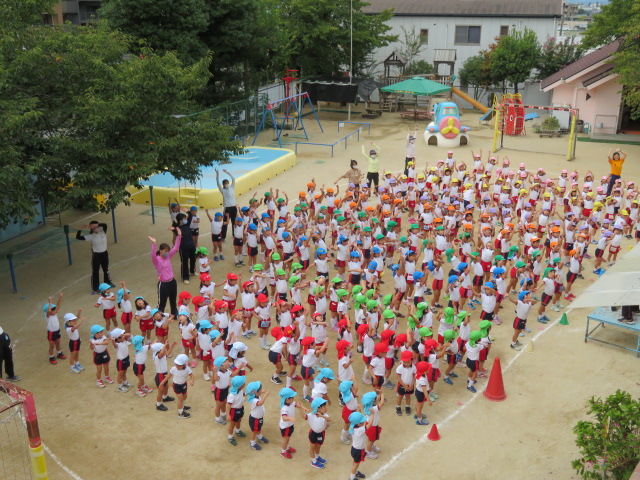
(406, 375)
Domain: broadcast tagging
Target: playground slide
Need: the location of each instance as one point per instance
(467, 98)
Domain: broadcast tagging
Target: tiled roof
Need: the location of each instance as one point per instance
(582, 64)
(469, 8)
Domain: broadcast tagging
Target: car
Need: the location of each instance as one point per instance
(446, 130)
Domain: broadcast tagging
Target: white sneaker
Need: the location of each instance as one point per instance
(127, 384)
(372, 455)
(377, 449)
(186, 282)
(74, 369)
(207, 377)
(122, 388)
(555, 308)
(140, 393)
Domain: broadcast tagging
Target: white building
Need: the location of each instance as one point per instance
(468, 26)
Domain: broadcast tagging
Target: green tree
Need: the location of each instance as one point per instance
(515, 56)
(555, 55)
(318, 35)
(419, 67)
(164, 25)
(620, 20)
(474, 72)
(610, 443)
(83, 117)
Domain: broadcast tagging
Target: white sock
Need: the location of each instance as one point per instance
(262, 340)
(305, 391)
(288, 384)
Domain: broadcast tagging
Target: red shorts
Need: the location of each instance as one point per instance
(613, 249)
(345, 414)
(388, 363)
(146, 325)
(437, 284)
(231, 303)
(373, 433)
(126, 318)
(188, 343)
(333, 306)
(340, 263)
(484, 353)
(434, 375)
(162, 332)
(109, 313)
(411, 204)
(486, 266)
(311, 299)
(366, 360)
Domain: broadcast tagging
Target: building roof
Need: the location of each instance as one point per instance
(469, 8)
(583, 63)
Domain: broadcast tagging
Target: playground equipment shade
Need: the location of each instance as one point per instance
(417, 86)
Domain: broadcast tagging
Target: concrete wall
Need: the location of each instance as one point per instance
(442, 34)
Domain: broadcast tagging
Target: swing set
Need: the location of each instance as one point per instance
(292, 119)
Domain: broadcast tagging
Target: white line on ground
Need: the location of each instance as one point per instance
(423, 437)
(71, 473)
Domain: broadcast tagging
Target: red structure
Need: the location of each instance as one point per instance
(514, 116)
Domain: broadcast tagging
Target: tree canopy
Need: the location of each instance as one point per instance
(620, 20)
(83, 117)
(515, 56)
(555, 55)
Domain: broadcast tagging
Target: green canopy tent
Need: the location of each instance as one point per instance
(417, 86)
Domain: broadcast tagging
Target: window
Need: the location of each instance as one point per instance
(424, 36)
(466, 34)
(504, 30)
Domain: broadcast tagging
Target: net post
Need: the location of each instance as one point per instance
(496, 108)
(572, 136)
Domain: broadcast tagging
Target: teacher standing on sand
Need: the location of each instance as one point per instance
(228, 199)
(616, 162)
(167, 285)
(373, 170)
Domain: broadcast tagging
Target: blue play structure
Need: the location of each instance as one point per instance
(293, 107)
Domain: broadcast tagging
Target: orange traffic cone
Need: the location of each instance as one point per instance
(495, 388)
(433, 435)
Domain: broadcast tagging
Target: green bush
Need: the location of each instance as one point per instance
(609, 445)
(550, 123)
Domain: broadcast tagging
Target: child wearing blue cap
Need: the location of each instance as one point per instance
(217, 223)
(107, 300)
(320, 384)
(238, 241)
(348, 390)
(235, 409)
(194, 224)
(53, 329)
(523, 307)
(220, 380)
(124, 303)
(257, 397)
(287, 419)
(318, 422)
(372, 402)
(139, 365)
(99, 344)
(357, 428)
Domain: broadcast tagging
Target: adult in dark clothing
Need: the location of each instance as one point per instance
(187, 247)
(99, 255)
(6, 357)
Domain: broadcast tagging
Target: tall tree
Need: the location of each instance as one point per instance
(554, 55)
(319, 35)
(620, 20)
(515, 56)
(83, 117)
(474, 72)
(164, 25)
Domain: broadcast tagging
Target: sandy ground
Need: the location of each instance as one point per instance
(102, 434)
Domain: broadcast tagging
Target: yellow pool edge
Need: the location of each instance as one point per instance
(211, 198)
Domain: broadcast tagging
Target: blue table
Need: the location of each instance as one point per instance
(604, 315)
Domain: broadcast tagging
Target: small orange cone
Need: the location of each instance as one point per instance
(433, 435)
(495, 388)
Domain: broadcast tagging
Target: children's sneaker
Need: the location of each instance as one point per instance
(146, 389)
(346, 440)
(275, 379)
(221, 421)
(194, 363)
(265, 347)
(215, 258)
(233, 441)
(284, 454)
(141, 393)
(291, 450)
(447, 381)
(221, 257)
(320, 459)
(377, 449)
(471, 306)
(100, 383)
(263, 439)
(555, 307)
(453, 375)
(407, 411)
(324, 362)
(399, 411)
(527, 329)
(516, 347)
(388, 384)
(108, 380)
(184, 415)
(206, 376)
(186, 407)
(307, 399)
(422, 421)
(62, 356)
(161, 408)
(123, 389)
(240, 433)
(359, 474)
(255, 446)
(79, 367)
(53, 361)
(127, 384)
(296, 378)
(372, 455)
(168, 399)
(472, 389)
(74, 369)
(317, 464)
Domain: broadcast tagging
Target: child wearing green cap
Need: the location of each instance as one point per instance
(473, 349)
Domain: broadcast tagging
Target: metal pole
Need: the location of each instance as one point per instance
(113, 220)
(66, 234)
(13, 272)
(153, 208)
(351, 47)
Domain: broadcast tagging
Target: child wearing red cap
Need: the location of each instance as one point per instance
(184, 298)
(406, 375)
(276, 352)
(230, 290)
(248, 299)
(293, 352)
(310, 354)
(423, 369)
(319, 332)
(433, 353)
(263, 312)
(189, 334)
(366, 334)
(207, 287)
(162, 322)
(377, 365)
